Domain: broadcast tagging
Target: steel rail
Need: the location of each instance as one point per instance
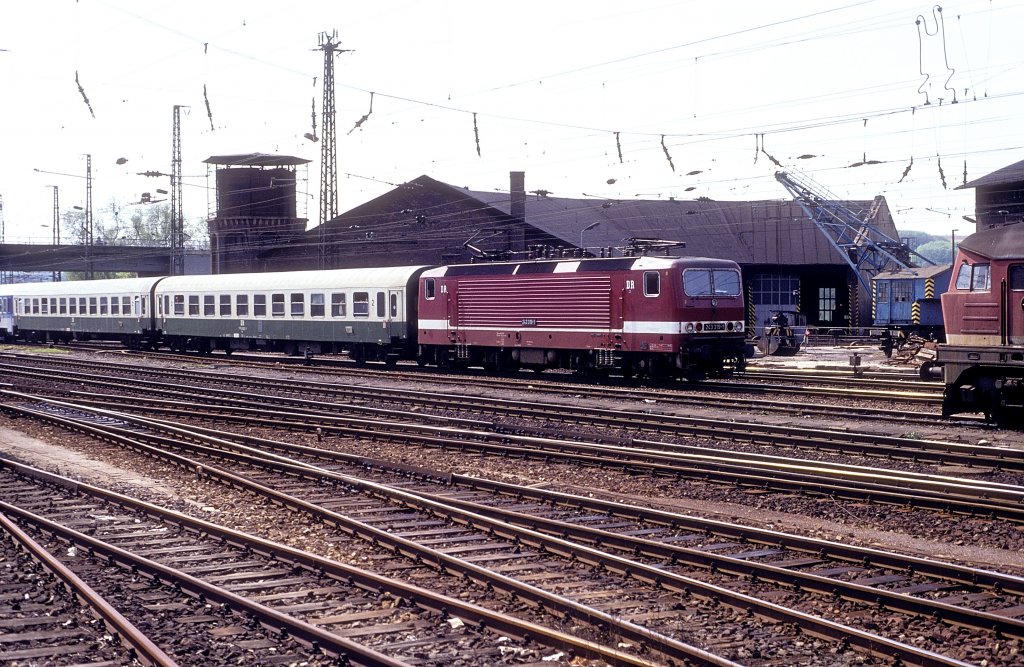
(399, 545)
(274, 620)
(718, 469)
(895, 601)
(867, 642)
(140, 646)
(821, 439)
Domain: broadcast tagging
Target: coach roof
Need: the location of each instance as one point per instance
(298, 280)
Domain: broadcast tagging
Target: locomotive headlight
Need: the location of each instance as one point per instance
(729, 326)
(739, 326)
(700, 327)
(689, 327)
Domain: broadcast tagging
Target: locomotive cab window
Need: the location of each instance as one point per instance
(711, 282)
(725, 282)
(1016, 274)
(973, 277)
(428, 288)
(652, 283)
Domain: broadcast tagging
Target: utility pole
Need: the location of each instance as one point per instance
(3, 274)
(328, 148)
(177, 219)
(88, 217)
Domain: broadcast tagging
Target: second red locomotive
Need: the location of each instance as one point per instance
(647, 316)
(983, 360)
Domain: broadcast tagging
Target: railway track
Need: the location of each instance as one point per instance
(925, 397)
(515, 541)
(173, 385)
(265, 602)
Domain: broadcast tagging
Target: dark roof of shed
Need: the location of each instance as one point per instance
(1013, 173)
(1005, 242)
(748, 232)
(256, 160)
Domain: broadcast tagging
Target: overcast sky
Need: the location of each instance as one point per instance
(618, 100)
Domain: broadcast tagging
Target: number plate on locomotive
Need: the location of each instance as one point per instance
(714, 326)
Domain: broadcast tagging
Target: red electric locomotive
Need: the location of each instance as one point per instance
(983, 359)
(648, 316)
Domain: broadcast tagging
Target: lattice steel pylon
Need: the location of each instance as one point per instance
(177, 218)
(88, 218)
(328, 149)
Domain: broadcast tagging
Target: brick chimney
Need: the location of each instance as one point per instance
(517, 191)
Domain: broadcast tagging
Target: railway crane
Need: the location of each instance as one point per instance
(900, 282)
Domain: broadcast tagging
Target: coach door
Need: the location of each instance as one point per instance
(394, 317)
(1014, 312)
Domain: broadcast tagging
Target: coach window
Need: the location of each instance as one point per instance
(72, 306)
(225, 305)
(428, 288)
(92, 305)
(298, 301)
(338, 304)
(43, 308)
(83, 308)
(277, 304)
(63, 306)
(103, 305)
(242, 305)
(53, 306)
(316, 305)
(381, 304)
(652, 283)
(126, 305)
(394, 305)
(259, 305)
(115, 305)
(209, 305)
(193, 305)
(179, 304)
(361, 304)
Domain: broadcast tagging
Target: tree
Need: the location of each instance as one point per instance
(937, 251)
